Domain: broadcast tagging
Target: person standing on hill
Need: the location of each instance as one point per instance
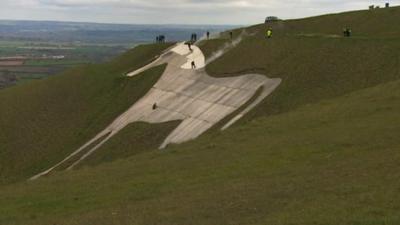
(193, 65)
(269, 33)
(346, 32)
(231, 34)
(160, 39)
(193, 38)
(208, 35)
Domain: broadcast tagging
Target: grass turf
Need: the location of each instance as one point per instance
(42, 122)
(335, 162)
(315, 67)
(323, 149)
(136, 138)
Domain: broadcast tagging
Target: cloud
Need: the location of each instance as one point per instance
(175, 11)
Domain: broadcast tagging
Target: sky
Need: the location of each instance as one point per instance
(237, 12)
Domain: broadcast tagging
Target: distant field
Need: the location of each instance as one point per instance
(47, 48)
(26, 69)
(11, 63)
(51, 62)
(35, 60)
(23, 78)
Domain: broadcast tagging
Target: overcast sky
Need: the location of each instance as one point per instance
(175, 11)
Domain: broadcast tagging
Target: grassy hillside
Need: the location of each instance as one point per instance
(42, 122)
(377, 23)
(314, 63)
(335, 162)
(322, 150)
(136, 138)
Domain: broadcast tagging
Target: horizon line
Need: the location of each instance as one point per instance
(117, 23)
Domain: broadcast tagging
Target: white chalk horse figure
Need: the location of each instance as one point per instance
(185, 94)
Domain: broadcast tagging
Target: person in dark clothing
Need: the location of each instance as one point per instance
(190, 46)
(154, 106)
(193, 65)
(160, 39)
(193, 38)
(231, 34)
(346, 32)
(208, 35)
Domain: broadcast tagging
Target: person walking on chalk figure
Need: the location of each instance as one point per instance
(190, 46)
(193, 65)
(154, 106)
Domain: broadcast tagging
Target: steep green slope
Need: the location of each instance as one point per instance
(314, 63)
(335, 162)
(136, 138)
(323, 149)
(42, 122)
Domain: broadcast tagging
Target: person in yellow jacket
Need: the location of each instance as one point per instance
(269, 33)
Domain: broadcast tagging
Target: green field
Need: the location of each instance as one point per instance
(51, 62)
(23, 78)
(39, 55)
(323, 149)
